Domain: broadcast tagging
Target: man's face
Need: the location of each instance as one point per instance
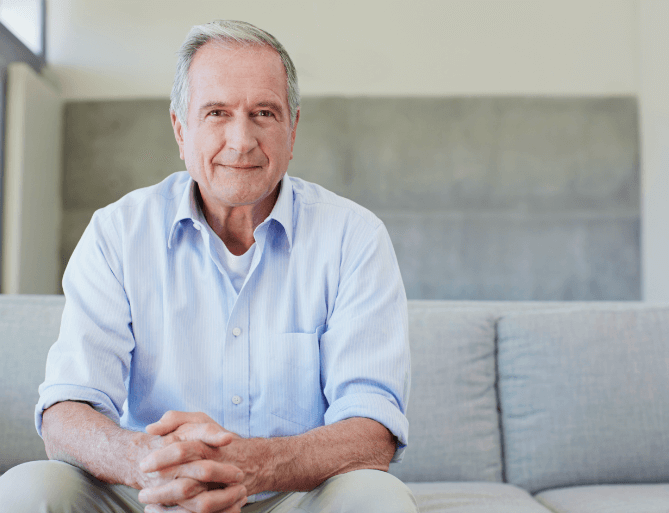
(239, 141)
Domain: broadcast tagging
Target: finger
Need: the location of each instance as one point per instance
(209, 432)
(175, 491)
(205, 471)
(177, 453)
(171, 420)
(223, 499)
(209, 471)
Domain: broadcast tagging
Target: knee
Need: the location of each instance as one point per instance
(370, 491)
(41, 487)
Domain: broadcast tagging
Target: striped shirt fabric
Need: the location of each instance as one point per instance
(152, 322)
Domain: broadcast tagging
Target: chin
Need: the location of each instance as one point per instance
(241, 200)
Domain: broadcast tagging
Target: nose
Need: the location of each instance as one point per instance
(241, 135)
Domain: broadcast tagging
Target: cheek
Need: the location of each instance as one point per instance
(198, 151)
(209, 144)
(193, 160)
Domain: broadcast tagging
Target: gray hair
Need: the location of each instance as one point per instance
(235, 32)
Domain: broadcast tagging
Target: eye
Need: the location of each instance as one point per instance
(216, 113)
(265, 113)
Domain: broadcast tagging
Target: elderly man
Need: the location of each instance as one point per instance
(233, 339)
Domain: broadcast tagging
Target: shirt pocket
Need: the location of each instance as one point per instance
(296, 395)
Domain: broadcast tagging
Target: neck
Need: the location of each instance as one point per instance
(235, 225)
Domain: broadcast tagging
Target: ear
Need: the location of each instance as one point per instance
(178, 133)
(293, 133)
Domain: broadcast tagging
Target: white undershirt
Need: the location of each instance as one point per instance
(237, 267)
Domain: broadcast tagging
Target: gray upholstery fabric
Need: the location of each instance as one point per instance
(608, 499)
(473, 498)
(453, 418)
(583, 396)
(28, 327)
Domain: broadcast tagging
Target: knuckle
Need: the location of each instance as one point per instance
(189, 487)
(210, 429)
(162, 476)
(198, 417)
(204, 504)
(205, 471)
(182, 450)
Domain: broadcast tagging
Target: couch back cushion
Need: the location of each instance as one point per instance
(453, 417)
(28, 327)
(584, 396)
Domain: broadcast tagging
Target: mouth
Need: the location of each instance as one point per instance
(240, 167)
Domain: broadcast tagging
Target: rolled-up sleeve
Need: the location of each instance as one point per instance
(365, 360)
(90, 361)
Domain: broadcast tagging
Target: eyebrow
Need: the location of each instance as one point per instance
(264, 104)
(272, 105)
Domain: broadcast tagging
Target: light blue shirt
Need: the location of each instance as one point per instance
(317, 333)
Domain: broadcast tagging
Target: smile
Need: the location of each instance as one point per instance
(239, 168)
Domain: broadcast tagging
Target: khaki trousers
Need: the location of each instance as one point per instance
(57, 487)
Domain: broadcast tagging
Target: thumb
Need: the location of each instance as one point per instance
(169, 422)
(210, 434)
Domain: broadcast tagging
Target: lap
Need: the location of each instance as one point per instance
(361, 490)
(57, 487)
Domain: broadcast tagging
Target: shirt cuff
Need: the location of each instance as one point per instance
(262, 496)
(376, 407)
(58, 393)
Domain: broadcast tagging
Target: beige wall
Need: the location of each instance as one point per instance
(654, 109)
(126, 48)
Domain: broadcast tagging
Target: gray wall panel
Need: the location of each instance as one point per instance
(516, 257)
(114, 147)
(484, 198)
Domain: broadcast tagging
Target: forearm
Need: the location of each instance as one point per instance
(77, 434)
(301, 463)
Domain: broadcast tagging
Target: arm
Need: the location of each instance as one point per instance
(77, 434)
(303, 462)
(295, 463)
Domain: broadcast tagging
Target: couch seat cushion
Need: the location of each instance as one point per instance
(651, 498)
(453, 418)
(473, 498)
(583, 395)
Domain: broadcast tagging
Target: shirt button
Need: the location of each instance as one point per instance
(236, 399)
(236, 332)
(196, 226)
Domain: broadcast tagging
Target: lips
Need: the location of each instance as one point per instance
(241, 167)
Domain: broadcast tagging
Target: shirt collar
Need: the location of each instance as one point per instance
(282, 211)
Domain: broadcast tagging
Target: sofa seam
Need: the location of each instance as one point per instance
(500, 423)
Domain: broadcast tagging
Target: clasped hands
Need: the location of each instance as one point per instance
(188, 468)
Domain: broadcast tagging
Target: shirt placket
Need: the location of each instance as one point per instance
(235, 365)
(236, 405)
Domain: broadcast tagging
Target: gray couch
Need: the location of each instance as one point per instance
(515, 407)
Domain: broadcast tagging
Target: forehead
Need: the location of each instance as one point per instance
(235, 70)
